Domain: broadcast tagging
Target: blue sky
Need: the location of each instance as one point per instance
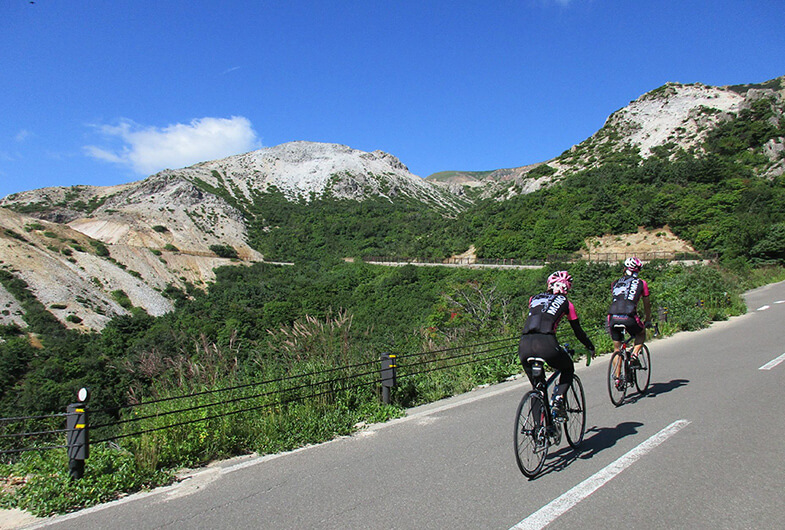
(106, 92)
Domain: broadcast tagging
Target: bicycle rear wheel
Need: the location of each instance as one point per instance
(643, 374)
(531, 438)
(575, 403)
(617, 379)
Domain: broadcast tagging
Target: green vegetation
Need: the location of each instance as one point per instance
(326, 228)
(257, 324)
(716, 204)
(121, 298)
(261, 322)
(49, 490)
(224, 251)
(541, 171)
(100, 248)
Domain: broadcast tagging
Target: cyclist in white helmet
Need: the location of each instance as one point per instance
(539, 334)
(627, 291)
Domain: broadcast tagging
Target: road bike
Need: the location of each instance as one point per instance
(536, 429)
(624, 374)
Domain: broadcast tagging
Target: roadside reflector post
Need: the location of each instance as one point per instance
(77, 434)
(389, 374)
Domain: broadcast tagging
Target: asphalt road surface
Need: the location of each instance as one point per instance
(704, 449)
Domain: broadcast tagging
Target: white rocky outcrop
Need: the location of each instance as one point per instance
(301, 170)
(677, 113)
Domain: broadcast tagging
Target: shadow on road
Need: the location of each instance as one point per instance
(655, 389)
(558, 460)
(603, 438)
(598, 439)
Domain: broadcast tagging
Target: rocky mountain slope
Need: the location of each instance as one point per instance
(670, 118)
(172, 229)
(302, 170)
(89, 253)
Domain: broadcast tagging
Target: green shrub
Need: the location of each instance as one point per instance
(100, 248)
(49, 490)
(224, 251)
(121, 298)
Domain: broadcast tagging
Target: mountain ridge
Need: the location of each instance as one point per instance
(673, 116)
(82, 250)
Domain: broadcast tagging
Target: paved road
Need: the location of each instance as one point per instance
(703, 450)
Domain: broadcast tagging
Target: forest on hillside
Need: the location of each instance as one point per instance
(711, 197)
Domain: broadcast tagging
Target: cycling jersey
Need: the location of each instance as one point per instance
(545, 312)
(627, 290)
(539, 336)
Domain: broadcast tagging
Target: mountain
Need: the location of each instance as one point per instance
(672, 118)
(305, 170)
(169, 231)
(89, 253)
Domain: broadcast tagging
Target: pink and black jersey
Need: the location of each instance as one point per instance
(545, 312)
(626, 293)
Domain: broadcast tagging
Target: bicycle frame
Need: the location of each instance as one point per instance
(541, 385)
(621, 372)
(536, 429)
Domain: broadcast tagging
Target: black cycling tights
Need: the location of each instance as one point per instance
(545, 346)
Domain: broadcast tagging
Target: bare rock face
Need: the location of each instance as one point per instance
(302, 170)
(670, 118)
(72, 275)
(89, 253)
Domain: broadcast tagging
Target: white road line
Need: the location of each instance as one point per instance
(780, 302)
(551, 511)
(763, 308)
(771, 364)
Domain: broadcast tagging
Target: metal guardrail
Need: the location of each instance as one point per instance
(595, 257)
(382, 374)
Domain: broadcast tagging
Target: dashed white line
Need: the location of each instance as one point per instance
(763, 308)
(771, 364)
(551, 511)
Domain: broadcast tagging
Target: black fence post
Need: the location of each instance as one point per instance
(78, 434)
(389, 374)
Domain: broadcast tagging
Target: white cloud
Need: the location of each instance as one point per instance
(150, 149)
(230, 70)
(22, 135)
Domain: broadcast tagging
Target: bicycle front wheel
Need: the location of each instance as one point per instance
(643, 374)
(575, 403)
(531, 438)
(617, 379)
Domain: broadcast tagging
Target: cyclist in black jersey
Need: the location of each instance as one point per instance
(627, 291)
(539, 334)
